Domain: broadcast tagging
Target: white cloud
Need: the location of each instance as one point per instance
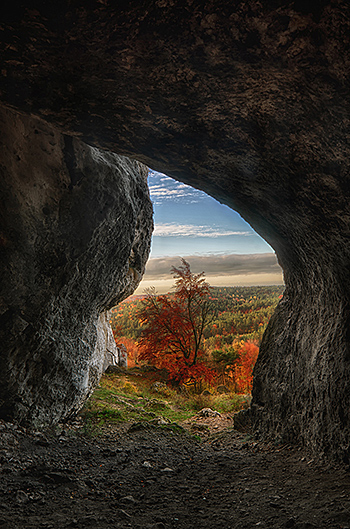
(163, 188)
(184, 186)
(191, 230)
(159, 191)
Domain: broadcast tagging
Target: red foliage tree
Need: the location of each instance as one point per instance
(248, 353)
(173, 326)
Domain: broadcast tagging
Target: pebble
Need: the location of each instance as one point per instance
(125, 513)
(21, 496)
(129, 499)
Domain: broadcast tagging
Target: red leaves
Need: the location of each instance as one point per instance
(248, 354)
(172, 326)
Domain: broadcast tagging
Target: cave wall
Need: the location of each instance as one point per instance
(248, 101)
(76, 227)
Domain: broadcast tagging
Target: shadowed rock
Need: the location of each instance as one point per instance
(249, 103)
(76, 225)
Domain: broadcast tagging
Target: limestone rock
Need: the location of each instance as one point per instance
(208, 412)
(115, 357)
(122, 356)
(76, 227)
(159, 387)
(105, 348)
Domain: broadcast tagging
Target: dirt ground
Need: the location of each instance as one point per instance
(149, 476)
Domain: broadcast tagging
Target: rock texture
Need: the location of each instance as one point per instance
(76, 225)
(248, 101)
(115, 356)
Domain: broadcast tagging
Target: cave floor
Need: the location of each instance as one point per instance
(163, 477)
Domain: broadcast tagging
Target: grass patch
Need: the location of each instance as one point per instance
(231, 402)
(104, 415)
(174, 427)
(136, 396)
(228, 403)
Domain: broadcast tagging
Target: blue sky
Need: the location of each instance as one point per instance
(189, 221)
(212, 237)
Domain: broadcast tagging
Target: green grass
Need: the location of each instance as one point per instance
(229, 403)
(103, 415)
(130, 397)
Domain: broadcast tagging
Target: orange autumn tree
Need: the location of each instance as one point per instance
(247, 356)
(173, 326)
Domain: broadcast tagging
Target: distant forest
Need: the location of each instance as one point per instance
(239, 316)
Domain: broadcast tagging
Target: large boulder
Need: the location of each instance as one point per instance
(248, 101)
(76, 227)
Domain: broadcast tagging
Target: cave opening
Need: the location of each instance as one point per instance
(252, 101)
(240, 267)
(213, 237)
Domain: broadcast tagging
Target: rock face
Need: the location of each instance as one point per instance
(115, 356)
(76, 226)
(248, 101)
(105, 345)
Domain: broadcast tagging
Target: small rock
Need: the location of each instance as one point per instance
(159, 387)
(60, 478)
(129, 499)
(290, 523)
(127, 515)
(8, 439)
(21, 496)
(146, 464)
(107, 452)
(35, 496)
(160, 421)
(208, 412)
(40, 439)
(167, 469)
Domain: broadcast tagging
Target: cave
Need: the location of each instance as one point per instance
(245, 101)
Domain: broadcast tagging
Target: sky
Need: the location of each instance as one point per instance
(210, 236)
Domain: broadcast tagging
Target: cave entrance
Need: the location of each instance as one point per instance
(239, 263)
(211, 236)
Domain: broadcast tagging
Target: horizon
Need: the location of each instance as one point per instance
(233, 270)
(212, 237)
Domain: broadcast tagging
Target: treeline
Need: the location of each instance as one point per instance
(242, 313)
(238, 313)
